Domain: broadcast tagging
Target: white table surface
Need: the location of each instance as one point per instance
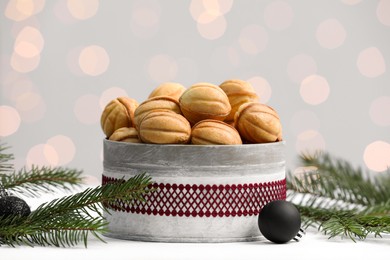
(314, 245)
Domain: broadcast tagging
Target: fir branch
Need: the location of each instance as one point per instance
(338, 179)
(41, 180)
(349, 223)
(68, 220)
(5, 167)
(341, 200)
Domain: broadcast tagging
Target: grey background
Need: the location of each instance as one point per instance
(343, 119)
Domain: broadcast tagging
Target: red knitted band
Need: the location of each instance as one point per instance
(204, 200)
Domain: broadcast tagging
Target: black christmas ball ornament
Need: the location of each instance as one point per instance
(280, 221)
(11, 206)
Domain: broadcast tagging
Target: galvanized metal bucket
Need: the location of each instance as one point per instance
(207, 193)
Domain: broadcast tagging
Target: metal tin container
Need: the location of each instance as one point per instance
(210, 193)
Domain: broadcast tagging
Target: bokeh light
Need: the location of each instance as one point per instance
(377, 156)
(304, 120)
(29, 42)
(209, 16)
(383, 12)
(110, 94)
(19, 10)
(314, 89)
(9, 121)
(278, 15)
(145, 18)
(162, 68)
(310, 141)
(213, 29)
(200, 9)
(301, 66)
(14, 87)
(42, 155)
(87, 109)
(24, 65)
(83, 10)
(330, 34)
(31, 106)
(380, 111)
(94, 60)
(371, 63)
(64, 148)
(253, 39)
(262, 88)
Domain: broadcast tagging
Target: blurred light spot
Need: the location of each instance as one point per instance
(262, 88)
(206, 18)
(380, 111)
(377, 156)
(214, 29)
(314, 89)
(110, 94)
(29, 42)
(218, 7)
(300, 66)
(196, 9)
(14, 88)
(91, 180)
(145, 18)
(19, 10)
(24, 65)
(330, 34)
(304, 120)
(94, 60)
(371, 63)
(351, 2)
(42, 155)
(278, 15)
(209, 9)
(225, 58)
(383, 12)
(31, 106)
(64, 147)
(83, 10)
(162, 68)
(87, 109)
(9, 120)
(310, 141)
(27, 101)
(253, 39)
(224, 6)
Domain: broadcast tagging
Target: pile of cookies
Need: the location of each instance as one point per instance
(203, 114)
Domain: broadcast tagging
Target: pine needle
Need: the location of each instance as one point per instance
(5, 166)
(40, 180)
